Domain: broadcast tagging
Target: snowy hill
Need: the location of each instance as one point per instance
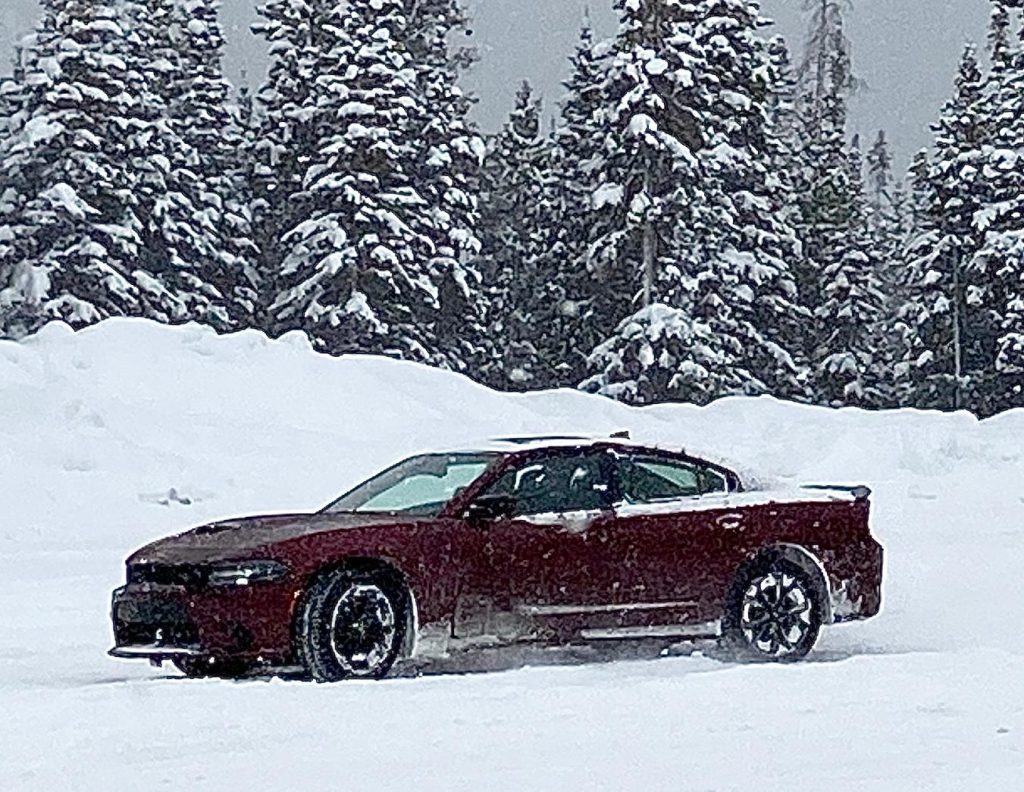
(129, 430)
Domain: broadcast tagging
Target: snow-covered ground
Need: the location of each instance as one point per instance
(128, 431)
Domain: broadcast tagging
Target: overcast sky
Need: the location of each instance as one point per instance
(905, 50)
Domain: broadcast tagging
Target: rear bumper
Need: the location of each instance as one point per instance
(164, 622)
(856, 584)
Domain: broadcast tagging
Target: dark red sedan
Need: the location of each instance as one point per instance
(550, 541)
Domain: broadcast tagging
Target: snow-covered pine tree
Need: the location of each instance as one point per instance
(754, 244)
(357, 275)
(12, 100)
(886, 206)
(784, 110)
(180, 269)
(520, 220)
(912, 383)
(72, 229)
(578, 308)
(689, 206)
(880, 180)
(286, 138)
(444, 170)
(996, 273)
(213, 139)
(12, 90)
(648, 187)
(840, 279)
(825, 43)
(787, 162)
(849, 365)
(945, 326)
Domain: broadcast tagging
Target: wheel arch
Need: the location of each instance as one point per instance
(388, 570)
(796, 554)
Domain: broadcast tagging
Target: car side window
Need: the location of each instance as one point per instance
(652, 479)
(712, 481)
(555, 485)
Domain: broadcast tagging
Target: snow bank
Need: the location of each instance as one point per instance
(128, 430)
(150, 427)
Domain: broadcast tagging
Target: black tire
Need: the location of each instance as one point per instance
(210, 668)
(773, 614)
(351, 625)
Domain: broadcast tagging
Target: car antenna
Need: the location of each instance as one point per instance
(622, 435)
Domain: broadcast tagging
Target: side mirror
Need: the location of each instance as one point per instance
(491, 507)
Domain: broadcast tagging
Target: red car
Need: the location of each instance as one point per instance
(552, 541)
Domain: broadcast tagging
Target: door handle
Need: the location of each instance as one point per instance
(731, 522)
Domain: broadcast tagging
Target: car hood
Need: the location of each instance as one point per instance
(241, 538)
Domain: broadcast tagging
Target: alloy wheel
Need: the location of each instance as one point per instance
(363, 630)
(775, 615)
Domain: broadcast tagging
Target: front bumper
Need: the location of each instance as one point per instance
(154, 652)
(163, 622)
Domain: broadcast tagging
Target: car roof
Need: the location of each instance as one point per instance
(507, 446)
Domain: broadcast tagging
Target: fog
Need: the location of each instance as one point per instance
(905, 51)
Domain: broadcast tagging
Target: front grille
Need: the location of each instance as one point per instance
(152, 620)
(189, 576)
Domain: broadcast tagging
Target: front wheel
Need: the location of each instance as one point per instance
(773, 614)
(351, 626)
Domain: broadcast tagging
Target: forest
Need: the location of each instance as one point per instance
(696, 222)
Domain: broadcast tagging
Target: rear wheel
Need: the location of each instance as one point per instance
(352, 625)
(773, 614)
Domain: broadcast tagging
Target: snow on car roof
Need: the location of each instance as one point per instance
(512, 445)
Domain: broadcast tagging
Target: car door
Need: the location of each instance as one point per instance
(677, 540)
(546, 575)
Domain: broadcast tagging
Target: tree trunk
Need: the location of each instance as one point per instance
(650, 244)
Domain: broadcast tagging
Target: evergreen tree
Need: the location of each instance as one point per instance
(12, 101)
(357, 276)
(996, 272)
(942, 322)
(212, 143)
(886, 207)
(427, 304)
(527, 229)
(444, 169)
(689, 207)
(849, 360)
(880, 179)
(71, 225)
(649, 189)
(588, 303)
(841, 278)
(110, 213)
(784, 113)
(826, 44)
(286, 138)
(513, 185)
(184, 272)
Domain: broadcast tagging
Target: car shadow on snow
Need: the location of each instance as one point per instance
(493, 661)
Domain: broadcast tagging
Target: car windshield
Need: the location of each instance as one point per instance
(421, 486)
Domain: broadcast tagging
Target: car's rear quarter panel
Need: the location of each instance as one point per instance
(837, 533)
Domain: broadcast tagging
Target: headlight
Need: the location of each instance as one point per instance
(245, 573)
